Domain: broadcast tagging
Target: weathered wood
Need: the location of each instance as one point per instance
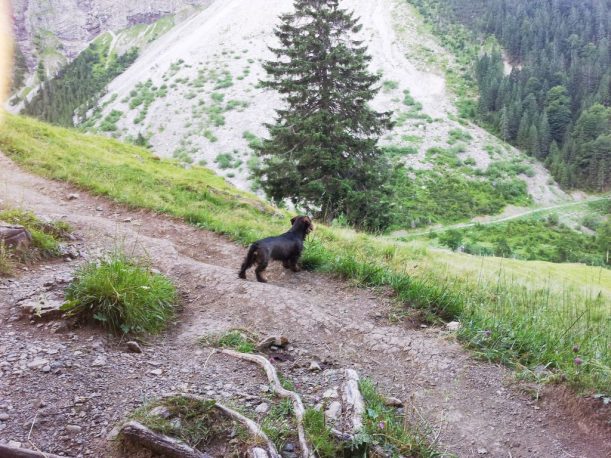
(353, 400)
(12, 452)
(139, 434)
(277, 387)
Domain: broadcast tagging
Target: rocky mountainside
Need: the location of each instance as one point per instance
(194, 94)
(56, 31)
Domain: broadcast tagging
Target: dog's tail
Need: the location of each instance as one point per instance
(249, 260)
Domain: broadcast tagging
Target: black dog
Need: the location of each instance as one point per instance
(286, 248)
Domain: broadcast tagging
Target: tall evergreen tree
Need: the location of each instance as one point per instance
(322, 151)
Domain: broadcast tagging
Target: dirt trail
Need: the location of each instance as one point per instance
(473, 407)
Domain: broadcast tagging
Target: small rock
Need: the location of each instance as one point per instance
(72, 196)
(37, 363)
(161, 411)
(99, 361)
(113, 434)
(330, 393)
(14, 444)
(277, 341)
(134, 346)
(314, 366)
(4, 416)
(44, 309)
(262, 408)
(99, 209)
(288, 447)
(453, 326)
(127, 220)
(482, 451)
(393, 402)
(73, 429)
(333, 411)
(46, 368)
(156, 371)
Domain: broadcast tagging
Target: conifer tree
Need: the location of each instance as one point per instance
(322, 151)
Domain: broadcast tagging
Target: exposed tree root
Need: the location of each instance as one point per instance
(353, 400)
(254, 429)
(174, 448)
(272, 376)
(12, 452)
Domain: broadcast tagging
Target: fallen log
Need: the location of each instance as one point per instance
(159, 443)
(277, 387)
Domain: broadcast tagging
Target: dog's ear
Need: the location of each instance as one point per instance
(293, 219)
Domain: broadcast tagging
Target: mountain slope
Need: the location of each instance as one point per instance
(193, 94)
(49, 34)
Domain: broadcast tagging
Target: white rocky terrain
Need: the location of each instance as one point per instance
(194, 91)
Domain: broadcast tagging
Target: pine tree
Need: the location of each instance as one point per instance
(544, 136)
(522, 138)
(504, 125)
(533, 141)
(322, 150)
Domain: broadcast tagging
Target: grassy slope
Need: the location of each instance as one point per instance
(512, 317)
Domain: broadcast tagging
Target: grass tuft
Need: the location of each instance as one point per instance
(385, 428)
(122, 295)
(235, 339)
(319, 434)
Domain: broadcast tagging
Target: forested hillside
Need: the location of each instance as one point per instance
(546, 88)
(78, 84)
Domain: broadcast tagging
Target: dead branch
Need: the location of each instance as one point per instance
(174, 448)
(272, 376)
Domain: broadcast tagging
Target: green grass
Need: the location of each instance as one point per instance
(122, 295)
(199, 424)
(46, 236)
(319, 435)
(446, 194)
(235, 339)
(450, 285)
(389, 85)
(7, 262)
(385, 428)
(279, 424)
(533, 239)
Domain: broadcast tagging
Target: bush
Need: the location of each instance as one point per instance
(451, 239)
(121, 294)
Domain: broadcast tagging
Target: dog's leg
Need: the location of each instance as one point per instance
(262, 263)
(293, 264)
(248, 261)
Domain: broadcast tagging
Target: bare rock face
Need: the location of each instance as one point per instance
(72, 24)
(13, 236)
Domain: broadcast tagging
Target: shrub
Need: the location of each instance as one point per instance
(122, 295)
(388, 85)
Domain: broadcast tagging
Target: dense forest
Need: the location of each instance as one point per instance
(78, 85)
(546, 88)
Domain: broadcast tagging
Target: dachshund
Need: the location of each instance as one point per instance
(286, 248)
